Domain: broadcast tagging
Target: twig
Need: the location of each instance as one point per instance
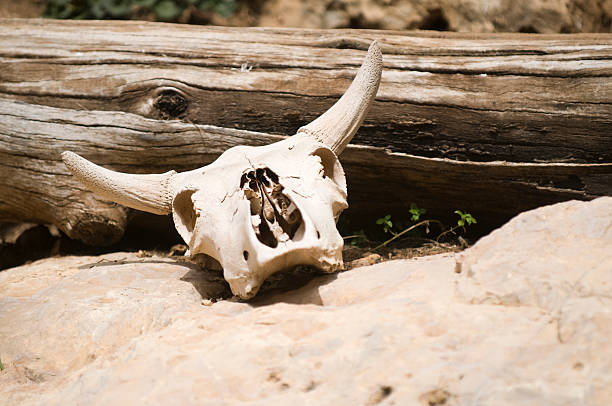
(450, 230)
(353, 236)
(398, 235)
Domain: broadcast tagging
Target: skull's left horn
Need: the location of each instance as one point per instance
(337, 126)
(150, 193)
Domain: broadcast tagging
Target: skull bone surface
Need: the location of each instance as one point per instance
(257, 210)
(261, 209)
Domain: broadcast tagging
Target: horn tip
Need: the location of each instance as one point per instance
(375, 52)
(70, 158)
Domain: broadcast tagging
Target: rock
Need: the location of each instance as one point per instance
(522, 317)
(542, 16)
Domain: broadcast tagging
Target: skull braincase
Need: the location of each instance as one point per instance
(257, 210)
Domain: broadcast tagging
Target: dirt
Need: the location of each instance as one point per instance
(22, 9)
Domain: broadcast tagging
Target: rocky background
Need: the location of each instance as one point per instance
(542, 16)
(524, 317)
(533, 16)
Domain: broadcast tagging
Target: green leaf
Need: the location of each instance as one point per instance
(415, 212)
(118, 8)
(226, 7)
(386, 223)
(167, 10)
(384, 220)
(465, 218)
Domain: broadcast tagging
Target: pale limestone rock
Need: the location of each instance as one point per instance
(550, 255)
(526, 321)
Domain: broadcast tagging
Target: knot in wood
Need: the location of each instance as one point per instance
(171, 103)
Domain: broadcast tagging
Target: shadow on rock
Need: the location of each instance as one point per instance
(296, 286)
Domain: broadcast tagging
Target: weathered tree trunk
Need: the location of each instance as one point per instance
(492, 124)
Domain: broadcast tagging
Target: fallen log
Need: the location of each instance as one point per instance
(491, 124)
(36, 186)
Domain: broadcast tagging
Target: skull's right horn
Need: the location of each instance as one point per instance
(150, 193)
(337, 126)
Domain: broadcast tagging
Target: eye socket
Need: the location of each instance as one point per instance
(331, 166)
(184, 213)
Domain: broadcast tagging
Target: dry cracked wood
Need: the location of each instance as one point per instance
(532, 113)
(36, 186)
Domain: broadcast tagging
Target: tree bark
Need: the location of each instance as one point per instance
(493, 124)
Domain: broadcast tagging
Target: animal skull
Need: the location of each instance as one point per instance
(257, 210)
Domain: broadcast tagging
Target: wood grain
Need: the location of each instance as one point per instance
(493, 124)
(36, 187)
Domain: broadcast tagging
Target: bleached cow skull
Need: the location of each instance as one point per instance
(257, 210)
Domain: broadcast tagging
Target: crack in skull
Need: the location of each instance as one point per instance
(274, 217)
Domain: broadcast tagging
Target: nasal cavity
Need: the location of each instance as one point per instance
(274, 216)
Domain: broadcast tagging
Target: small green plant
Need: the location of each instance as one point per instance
(390, 227)
(222, 7)
(415, 212)
(1, 366)
(425, 223)
(164, 10)
(88, 9)
(386, 224)
(465, 219)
